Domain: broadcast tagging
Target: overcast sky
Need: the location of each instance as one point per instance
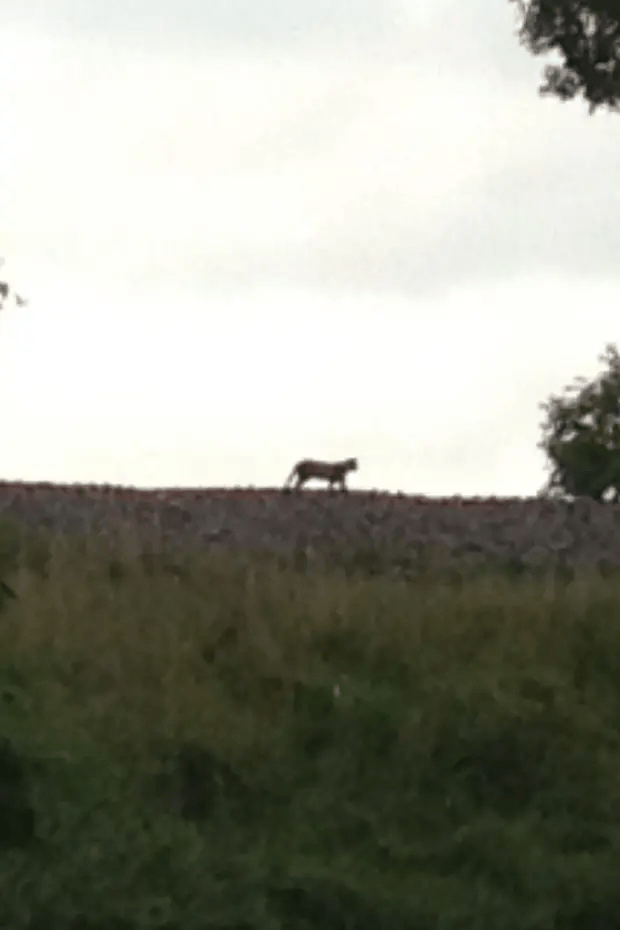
(253, 231)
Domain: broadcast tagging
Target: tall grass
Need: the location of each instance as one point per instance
(224, 742)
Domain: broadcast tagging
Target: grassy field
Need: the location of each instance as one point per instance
(227, 743)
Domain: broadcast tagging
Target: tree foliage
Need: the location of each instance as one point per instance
(6, 291)
(581, 435)
(585, 34)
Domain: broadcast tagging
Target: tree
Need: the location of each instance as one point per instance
(5, 291)
(581, 435)
(586, 36)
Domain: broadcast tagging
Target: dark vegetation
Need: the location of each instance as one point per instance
(585, 36)
(581, 435)
(230, 743)
(6, 290)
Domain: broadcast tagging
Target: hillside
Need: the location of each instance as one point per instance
(378, 531)
(212, 741)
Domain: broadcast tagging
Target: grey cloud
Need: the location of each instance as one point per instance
(208, 22)
(559, 214)
(520, 226)
(554, 208)
(489, 246)
(477, 36)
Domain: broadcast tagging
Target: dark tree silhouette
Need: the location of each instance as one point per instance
(585, 34)
(581, 435)
(5, 292)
